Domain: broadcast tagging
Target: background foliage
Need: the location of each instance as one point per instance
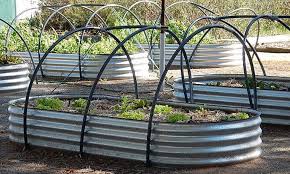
(182, 12)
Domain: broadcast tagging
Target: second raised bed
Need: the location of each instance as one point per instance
(274, 105)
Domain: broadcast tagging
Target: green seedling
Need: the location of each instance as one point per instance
(177, 117)
(236, 116)
(54, 104)
(80, 104)
(163, 109)
(133, 115)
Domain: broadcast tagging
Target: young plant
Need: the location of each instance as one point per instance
(139, 103)
(202, 111)
(133, 115)
(80, 104)
(124, 106)
(274, 86)
(177, 117)
(214, 84)
(236, 116)
(49, 104)
(163, 109)
(262, 85)
(130, 104)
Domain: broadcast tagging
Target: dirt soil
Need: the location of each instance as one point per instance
(107, 108)
(276, 139)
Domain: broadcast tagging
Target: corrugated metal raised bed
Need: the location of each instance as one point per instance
(62, 65)
(274, 105)
(207, 56)
(13, 78)
(201, 144)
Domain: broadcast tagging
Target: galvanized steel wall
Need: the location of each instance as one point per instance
(62, 65)
(207, 56)
(13, 78)
(274, 105)
(172, 144)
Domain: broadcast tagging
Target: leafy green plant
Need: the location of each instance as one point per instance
(236, 116)
(177, 117)
(139, 103)
(163, 109)
(49, 104)
(80, 104)
(133, 115)
(214, 84)
(130, 104)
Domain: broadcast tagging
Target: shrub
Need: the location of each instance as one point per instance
(49, 104)
(177, 117)
(133, 115)
(236, 116)
(163, 109)
(80, 104)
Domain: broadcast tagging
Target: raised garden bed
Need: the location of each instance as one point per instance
(173, 144)
(63, 65)
(207, 56)
(273, 94)
(13, 78)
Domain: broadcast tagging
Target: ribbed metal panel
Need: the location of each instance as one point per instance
(13, 78)
(207, 56)
(274, 105)
(62, 65)
(172, 144)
